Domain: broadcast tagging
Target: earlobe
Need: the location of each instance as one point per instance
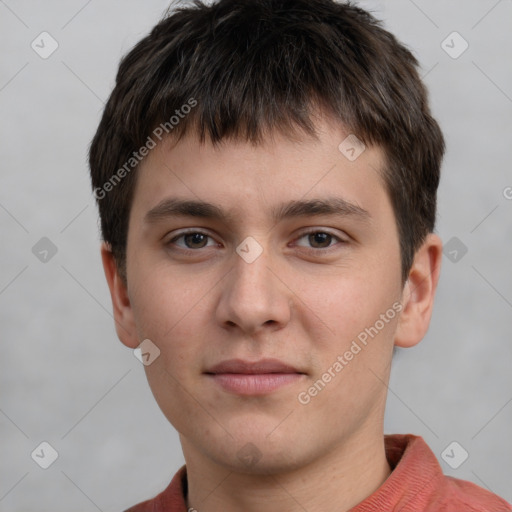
(122, 310)
(419, 292)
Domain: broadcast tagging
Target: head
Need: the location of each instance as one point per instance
(277, 113)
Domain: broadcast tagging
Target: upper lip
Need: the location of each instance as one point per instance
(256, 367)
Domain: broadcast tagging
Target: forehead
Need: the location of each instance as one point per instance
(256, 180)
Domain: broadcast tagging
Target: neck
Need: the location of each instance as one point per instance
(335, 482)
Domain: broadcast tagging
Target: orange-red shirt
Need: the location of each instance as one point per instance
(416, 484)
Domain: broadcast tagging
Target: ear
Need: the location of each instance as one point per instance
(123, 314)
(419, 292)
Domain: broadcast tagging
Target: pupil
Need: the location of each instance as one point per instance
(196, 238)
(320, 237)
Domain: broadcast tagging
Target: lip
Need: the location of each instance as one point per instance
(252, 368)
(253, 378)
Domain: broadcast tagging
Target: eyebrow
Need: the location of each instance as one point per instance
(336, 206)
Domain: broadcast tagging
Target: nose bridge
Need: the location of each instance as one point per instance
(252, 295)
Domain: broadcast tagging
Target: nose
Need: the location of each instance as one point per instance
(254, 295)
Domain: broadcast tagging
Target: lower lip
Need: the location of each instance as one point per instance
(254, 384)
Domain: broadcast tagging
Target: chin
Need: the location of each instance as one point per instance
(251, 460)
(257, 454)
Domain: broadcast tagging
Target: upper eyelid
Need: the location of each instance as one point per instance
(317, 230)
(189, 232)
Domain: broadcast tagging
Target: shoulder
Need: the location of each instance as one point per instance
(455, 495)
(172, 499)
(417, 482)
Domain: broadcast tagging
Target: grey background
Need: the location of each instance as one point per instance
(67, 380)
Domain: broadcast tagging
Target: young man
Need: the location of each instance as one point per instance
(266, 174)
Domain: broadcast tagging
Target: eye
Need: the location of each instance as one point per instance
(319, 239)
(315, 239)
(192, 240)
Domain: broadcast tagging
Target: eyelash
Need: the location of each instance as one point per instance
(188, 251)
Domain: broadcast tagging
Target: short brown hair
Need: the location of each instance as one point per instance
(249, 67)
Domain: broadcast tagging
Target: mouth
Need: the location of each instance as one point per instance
(253, 378)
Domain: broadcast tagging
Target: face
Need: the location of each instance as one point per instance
(295, 260)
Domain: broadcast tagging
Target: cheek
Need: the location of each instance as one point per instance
(361, 315)
(349, 304)
(171, 318)
(361, 312)
(169, 313)
(163, 298)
